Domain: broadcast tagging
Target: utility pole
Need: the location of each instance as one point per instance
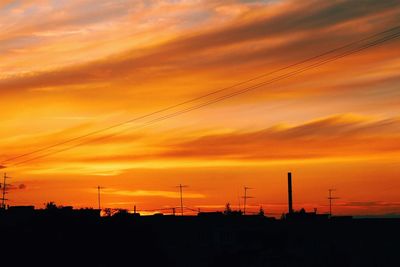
(330, 201)
(180, 191)
(3, 199)
(245, 197)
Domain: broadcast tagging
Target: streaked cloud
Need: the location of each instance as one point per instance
(369, 204)
(151, 193)
(353, 136)
(203, 50)
(72, 67)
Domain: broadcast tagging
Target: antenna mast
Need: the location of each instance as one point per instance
(180, 191)
(98, 196)
(245, 197)
(4, 191)
(330, 201)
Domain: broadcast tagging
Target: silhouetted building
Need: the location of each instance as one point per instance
(304, 215)
(21, 209)
(215, 214)
(20, 212)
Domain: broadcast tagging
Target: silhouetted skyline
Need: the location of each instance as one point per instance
(138, 98)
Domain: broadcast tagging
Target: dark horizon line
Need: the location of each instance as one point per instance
(238, 213)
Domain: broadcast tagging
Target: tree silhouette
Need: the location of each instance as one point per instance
(261, 211)
(51, 206)
(228, 210)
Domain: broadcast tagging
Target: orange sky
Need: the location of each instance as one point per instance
(68, 68)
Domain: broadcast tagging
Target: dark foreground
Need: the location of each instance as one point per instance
(55, 240)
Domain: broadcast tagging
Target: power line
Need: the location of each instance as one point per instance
(288, 75)
(191, 209)
(200, 97)
(218, 99)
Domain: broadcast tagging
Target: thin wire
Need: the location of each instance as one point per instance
(196, 98)
(221, 98)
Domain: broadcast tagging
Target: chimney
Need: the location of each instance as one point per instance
(290, 200)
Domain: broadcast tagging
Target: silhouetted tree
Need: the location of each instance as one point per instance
(261, 211)
(51, 206)
(228, 210)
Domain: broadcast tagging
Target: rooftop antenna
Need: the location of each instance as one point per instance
(330, 200)
(245, 197)
(180, 191)
(3, 199)
(240, 207)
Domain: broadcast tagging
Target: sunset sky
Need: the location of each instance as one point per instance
(69, 68)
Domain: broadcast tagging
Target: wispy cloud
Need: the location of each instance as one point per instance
(73, 67)
(202, 50)
(351, 136)
(344, 136)
(369, 204)
(151, 193)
